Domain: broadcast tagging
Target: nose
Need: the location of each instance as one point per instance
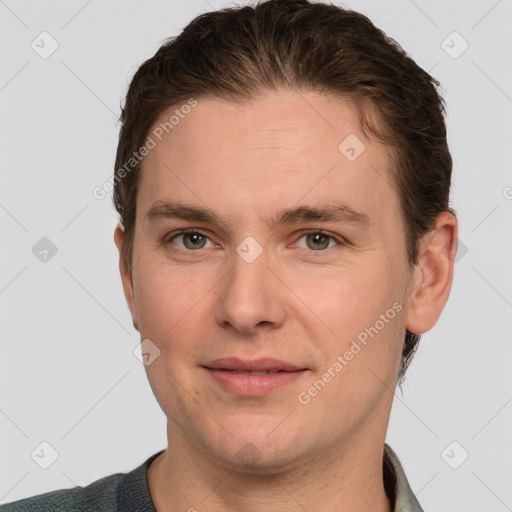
(251, 297)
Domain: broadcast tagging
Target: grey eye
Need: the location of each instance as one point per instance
(192, 240)
(318, 241)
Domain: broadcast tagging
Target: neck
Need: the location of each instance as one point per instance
(343, 479)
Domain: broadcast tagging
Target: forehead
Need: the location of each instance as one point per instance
(276, 120)
(264, 154)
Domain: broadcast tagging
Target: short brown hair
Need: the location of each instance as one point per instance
(237, 53)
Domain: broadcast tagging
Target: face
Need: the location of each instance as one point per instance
(302, 259)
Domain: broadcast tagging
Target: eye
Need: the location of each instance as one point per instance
(318, 240)
(192, 240)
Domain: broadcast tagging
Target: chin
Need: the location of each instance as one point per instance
(259, 454)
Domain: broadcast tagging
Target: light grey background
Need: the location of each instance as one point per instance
(68, 375)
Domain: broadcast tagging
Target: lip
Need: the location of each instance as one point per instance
(224, 372)
(252, 365)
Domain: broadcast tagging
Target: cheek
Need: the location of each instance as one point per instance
(165, 300)
(351, 300)
(360, 363)
(365, 313)
(171, 315)
(175, 313)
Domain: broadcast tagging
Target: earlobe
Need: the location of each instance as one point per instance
(433, 275)
(126, 274)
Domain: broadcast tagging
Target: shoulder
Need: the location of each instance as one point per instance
(108, 494)
(100, 495)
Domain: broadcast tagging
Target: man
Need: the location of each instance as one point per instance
(282, 180)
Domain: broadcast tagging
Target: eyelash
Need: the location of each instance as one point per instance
(338, 240)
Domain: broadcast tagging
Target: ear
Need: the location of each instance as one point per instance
(433, 275)
(126, 274)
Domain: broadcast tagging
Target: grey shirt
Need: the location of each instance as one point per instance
(130, 492)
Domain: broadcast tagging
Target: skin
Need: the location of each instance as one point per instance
(302, 301)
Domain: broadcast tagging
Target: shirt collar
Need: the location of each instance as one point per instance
(396, 484)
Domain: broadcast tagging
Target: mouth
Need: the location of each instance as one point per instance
(263, 364)
(253, 377)
(257, 372)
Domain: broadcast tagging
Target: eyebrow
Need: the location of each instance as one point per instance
(330, 213)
